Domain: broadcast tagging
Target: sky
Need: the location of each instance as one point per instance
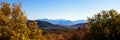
(65, 9)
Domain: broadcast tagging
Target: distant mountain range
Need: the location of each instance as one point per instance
(46, 25)
(64, 22)
(59, 24)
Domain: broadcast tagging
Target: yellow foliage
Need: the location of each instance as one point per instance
(13, 24)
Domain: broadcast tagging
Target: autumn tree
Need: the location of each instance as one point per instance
(13, 24)
(35, 32)
(104, 26)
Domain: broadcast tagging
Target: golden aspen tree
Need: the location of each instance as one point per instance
(35, 32)
(13, 24)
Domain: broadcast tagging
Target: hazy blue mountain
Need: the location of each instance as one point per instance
(46, 25)
(64, 22)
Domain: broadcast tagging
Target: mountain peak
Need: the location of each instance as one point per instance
(63, 21)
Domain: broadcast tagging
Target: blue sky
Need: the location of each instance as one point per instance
(65, 9)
